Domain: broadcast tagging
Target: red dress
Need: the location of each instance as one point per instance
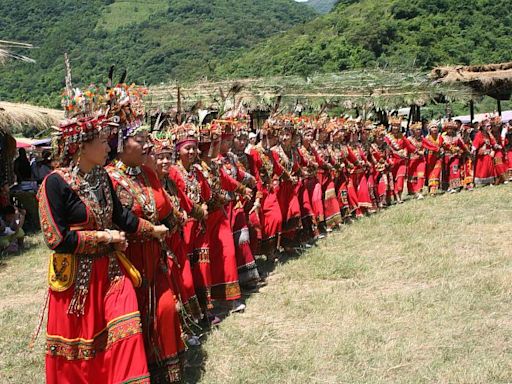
(454, 148)
(246, 265)
(179, 265)
(195, 190)
(309, 221)
(140, 190)
(417, 165)
(267, 172)
(225, 281)
(500, 159)
(287, 193)
(398, 160)
(344, 163)
(311, 181)
(332, 214)
(434, 162)
(483, 145)
(359, 177)
(94, 332)
(382, 176)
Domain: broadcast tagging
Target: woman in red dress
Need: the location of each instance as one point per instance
(193, 190)
(433, 144)
(500, 157)
(361, 171)
(139, 190)
(398, 160)
(332, 211)
(94, 329)
(417, 162)
(224, 273)
(182, 207)
(454, 148)
(246, 265)
(267, 172)
(483, 151)
(288, 182)
(310, 172)
(383, 179)
(344, 163)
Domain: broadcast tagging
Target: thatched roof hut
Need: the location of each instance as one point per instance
(16, 115)
(494, 80)
(380, 89)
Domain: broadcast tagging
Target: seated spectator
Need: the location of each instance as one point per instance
(11, 229)
(42, 167)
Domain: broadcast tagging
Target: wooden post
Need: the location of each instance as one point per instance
(499, 106)
(472, 110)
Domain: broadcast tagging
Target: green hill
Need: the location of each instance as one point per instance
(156, 40)
(397, 33)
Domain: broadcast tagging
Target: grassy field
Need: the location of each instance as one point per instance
(419, 293)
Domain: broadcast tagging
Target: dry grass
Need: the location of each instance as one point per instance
(419, 293)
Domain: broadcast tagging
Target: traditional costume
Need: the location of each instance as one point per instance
(94, 329)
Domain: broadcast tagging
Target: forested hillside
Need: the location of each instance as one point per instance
(156, 40)
(386, 33)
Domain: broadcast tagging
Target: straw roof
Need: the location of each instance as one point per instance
(14, 115)
(366, 89)
(493, 80)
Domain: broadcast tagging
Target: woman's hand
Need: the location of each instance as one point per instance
(204, 206)
(248, 193)
(159, 231)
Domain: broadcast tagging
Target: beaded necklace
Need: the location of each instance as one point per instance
(130, 179)
(192, 186)
(94, 190)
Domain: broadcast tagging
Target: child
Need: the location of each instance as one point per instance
(11, 229)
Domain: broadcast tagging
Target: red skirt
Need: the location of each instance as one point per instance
(198, 252)
(500, 165)
(332, 214)
(246, 265)
(225, 283)
(157, 304)
(314, 191)
(290, 208)
(398, 170)
(105, 345)
(272, 222)
(452, 172)
(484, 170)
(433, 172)
(360, 182)
(181, 274)
(416, 175)
(308, 220)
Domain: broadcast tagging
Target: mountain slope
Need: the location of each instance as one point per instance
(356, 34)
(156, 40)
(321, 6)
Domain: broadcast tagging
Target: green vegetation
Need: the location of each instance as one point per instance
(322, 6)
(122, 13)
(155, 40)
(419, 293)
(385, 33)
